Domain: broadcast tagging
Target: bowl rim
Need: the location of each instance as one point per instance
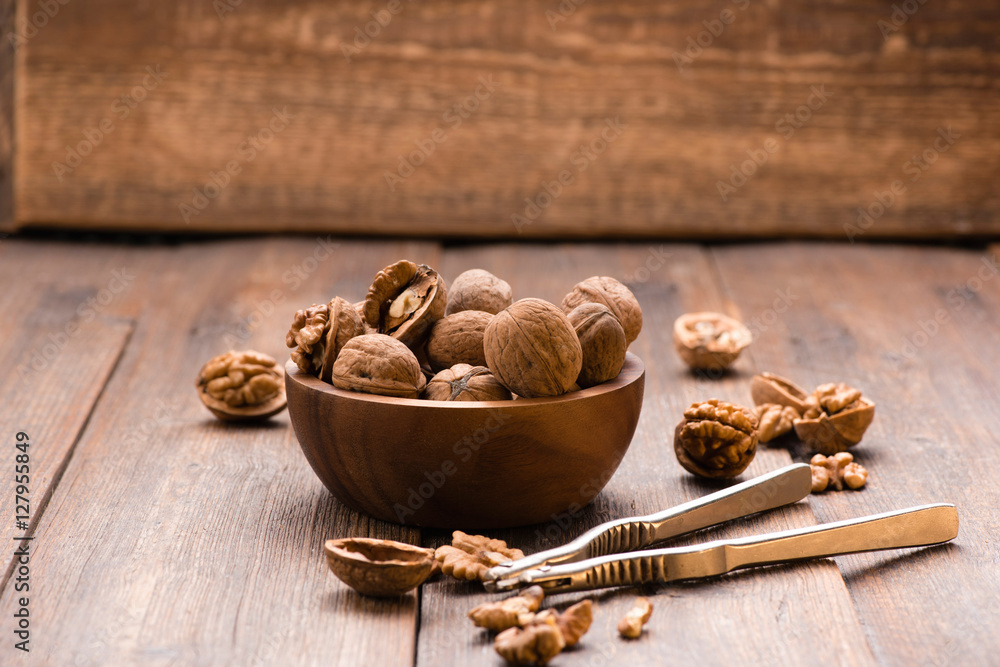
(632, 371)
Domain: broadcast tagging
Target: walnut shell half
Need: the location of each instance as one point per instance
(602, 339)
(379, 568)
(242, 386)
(378, 364)
(405, 300)
(532, 349)
(463, 382)
(709, 341)
(613, 294)
(771, 388)
(345, 323)
(477, 289)
(458, 339)
(830, 434)
(716, 439)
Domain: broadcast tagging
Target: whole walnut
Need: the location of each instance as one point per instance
(378, 364)
(611, 293)
(602, 339)
(246, 385)
(307, 337)
(477, 289)
(404, 301)
(463, 382)
(532, 349)
(716, 439)
(458, 339)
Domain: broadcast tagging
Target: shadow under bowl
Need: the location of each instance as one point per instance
(486, 464)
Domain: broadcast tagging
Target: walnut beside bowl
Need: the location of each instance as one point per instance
(487, 464)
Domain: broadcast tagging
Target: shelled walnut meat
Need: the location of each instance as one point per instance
(710, 341)
(545, 635)
(716, 439)
(532, 349)
(602, 340)
(307, 337)
(477, 289)
(405, 300)
(458, 339)
(378, 364)
(630, 626)
(837, 470)
(611, 293)
(469, 557)
(245, 385)
(774, 420)
(463, 382)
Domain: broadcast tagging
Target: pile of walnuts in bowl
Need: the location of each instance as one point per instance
(414, 337)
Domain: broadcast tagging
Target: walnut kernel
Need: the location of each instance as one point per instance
(775, 420)
(536, 643)
(630, 626)
(469, 557)
(512, 612)
(838, 470)
(710, 341)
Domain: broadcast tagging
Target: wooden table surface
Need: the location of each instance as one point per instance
(164, 537)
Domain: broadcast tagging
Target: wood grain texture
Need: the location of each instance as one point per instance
(918, 330)
(175, 539)
(761, 617)
(884, 101)
(8, 16)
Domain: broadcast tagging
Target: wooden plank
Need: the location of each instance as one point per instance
(918, 330)
(173, 538)
(8, 16)
(686, 128)
(768, 617)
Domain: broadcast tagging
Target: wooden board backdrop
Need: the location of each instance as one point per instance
(873, 88)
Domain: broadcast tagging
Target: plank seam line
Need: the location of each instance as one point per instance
(64, 464)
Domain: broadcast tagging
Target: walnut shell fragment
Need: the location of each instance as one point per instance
(469, 557)
(512, 612)
(630, 626)
(602, 340)
(613, 294)
(716, 439)
(463, 382)
(378, 364)
(532, 349)
(771, 388)
(379, 568)
(404, 301)
(458, 339)
(710, 341)
(477, 289)
(775, 420)
(832, 433)
(838, 470)
(242, 386)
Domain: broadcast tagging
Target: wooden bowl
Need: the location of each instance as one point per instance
(486, 464)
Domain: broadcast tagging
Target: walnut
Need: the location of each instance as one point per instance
(618, 298)
(463, 382)
(306, 336)
(477, 289)
(378, 364)
(835, 419)
(838, 470)
(536, 643)
(775, 420)
(532, 349)
(716, 439)
(470, 556)
(458, 339)
(404, 301)
(380, 568)
(344, 324)
(602, 340)
(709, 341)
(770, 388)
(516, 611)
(630, 627)
(242, 386)
(575, 621)
(360, 307)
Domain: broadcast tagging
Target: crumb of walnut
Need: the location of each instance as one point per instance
(575, 621)
(513, 612)
(469, 557)
(242, 386)
(837, 470)
(630, 626)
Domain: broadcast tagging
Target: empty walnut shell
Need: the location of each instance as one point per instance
(477, 289)
(770, 388)
(404, 301)
(709, 341)
(378, 364)
(532, 349)
(379, 568)
(716, 439)
(463, 382)
(345, 323)
(458, 339)
(242, 386)
(602, 339)
(829, 434)
(613, 294)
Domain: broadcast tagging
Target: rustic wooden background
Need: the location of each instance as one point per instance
(165, 538)
(889, 89)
